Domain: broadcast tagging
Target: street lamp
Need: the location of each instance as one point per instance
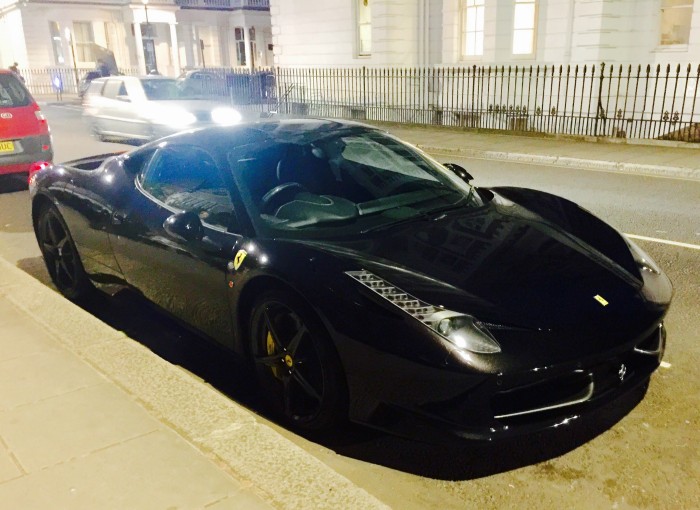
(69, 38)
(151, 43)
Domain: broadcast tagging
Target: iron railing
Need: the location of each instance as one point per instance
(617, 101)
(620, 101)
(58, 80)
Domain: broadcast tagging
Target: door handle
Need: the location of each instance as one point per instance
(119, 217)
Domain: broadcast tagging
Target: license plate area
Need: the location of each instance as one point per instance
(6, 147)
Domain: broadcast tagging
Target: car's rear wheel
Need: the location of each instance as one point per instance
(296, 364)
(61, 256)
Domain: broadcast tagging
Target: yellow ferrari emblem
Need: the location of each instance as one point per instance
(239, 258)
(600, 299)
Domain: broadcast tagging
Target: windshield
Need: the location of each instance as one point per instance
(343, 182)
(163, 89)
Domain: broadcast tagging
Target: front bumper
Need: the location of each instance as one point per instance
(506, 405)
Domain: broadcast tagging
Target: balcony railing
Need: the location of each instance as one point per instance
(227, 5)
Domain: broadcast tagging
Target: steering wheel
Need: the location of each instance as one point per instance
(279, 195)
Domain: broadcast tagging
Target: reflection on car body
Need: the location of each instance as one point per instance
(364, 280)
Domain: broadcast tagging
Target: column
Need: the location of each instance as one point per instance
(174, 50)
(246, 40)
(139, 48)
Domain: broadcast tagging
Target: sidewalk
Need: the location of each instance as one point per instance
(658, 158)
(91, 419)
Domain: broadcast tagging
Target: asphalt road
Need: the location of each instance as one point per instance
(645, 457)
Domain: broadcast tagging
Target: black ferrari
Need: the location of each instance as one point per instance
(362, 279)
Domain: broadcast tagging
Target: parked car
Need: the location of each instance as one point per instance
(24, 132)
(205, 82)
(363, 279)
(148, 108)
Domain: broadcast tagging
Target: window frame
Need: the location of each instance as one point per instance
(360, 6)
(535, 24)
(476, 7)
(689, 5)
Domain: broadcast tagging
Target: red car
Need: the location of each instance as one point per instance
(24, 132)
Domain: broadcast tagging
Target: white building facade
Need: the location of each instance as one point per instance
(167, 35)
(379, 33)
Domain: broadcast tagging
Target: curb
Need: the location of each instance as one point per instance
(235, 438)
(568, 162)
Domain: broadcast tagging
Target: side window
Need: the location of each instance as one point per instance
(113, 88)
(185, 178)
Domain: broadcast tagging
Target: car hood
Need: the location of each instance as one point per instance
(538, 267)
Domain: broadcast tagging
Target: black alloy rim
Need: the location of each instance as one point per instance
(60, 256)
(291, 363)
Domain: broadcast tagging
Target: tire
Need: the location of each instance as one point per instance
(296, 365)
(61, 256)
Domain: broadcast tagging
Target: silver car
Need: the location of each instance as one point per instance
(147, 108)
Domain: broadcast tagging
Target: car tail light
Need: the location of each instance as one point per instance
(40, 117)
(34, 168)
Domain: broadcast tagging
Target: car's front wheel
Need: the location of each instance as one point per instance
(61, 256)
(296, 364)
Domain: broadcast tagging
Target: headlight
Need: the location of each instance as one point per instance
(462, 330)
(643, 260)
(176, 117)
(225, 116)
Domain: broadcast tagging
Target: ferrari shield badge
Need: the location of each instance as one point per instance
(239, 258)
(598, 298)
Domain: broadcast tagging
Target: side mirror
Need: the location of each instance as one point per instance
(184, 226)
(460, 171)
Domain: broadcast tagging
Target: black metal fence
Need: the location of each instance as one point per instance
(58, 80)
(620, 101)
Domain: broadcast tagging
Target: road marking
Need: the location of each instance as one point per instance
(664, 241)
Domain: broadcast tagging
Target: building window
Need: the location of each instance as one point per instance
(364, 28)
(83, 39)
(524, 27)
(675, 21)
(240, 45)
(473, 31)
(56, 42)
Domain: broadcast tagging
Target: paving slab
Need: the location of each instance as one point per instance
(92, 419)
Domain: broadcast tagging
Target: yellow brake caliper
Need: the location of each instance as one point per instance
(270, 347)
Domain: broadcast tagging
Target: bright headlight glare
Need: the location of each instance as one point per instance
(643, 260)
(225, 116)
(462, 330)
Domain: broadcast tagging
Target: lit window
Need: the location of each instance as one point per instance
(83, 39)
(56, 43)
(473, 27)
(524, 27)
(675, 21)
(364, 28)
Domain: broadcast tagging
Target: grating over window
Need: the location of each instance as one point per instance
(473, 30)
(524, 21)
(675, 21)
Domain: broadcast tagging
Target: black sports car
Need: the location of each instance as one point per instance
(361, 278)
